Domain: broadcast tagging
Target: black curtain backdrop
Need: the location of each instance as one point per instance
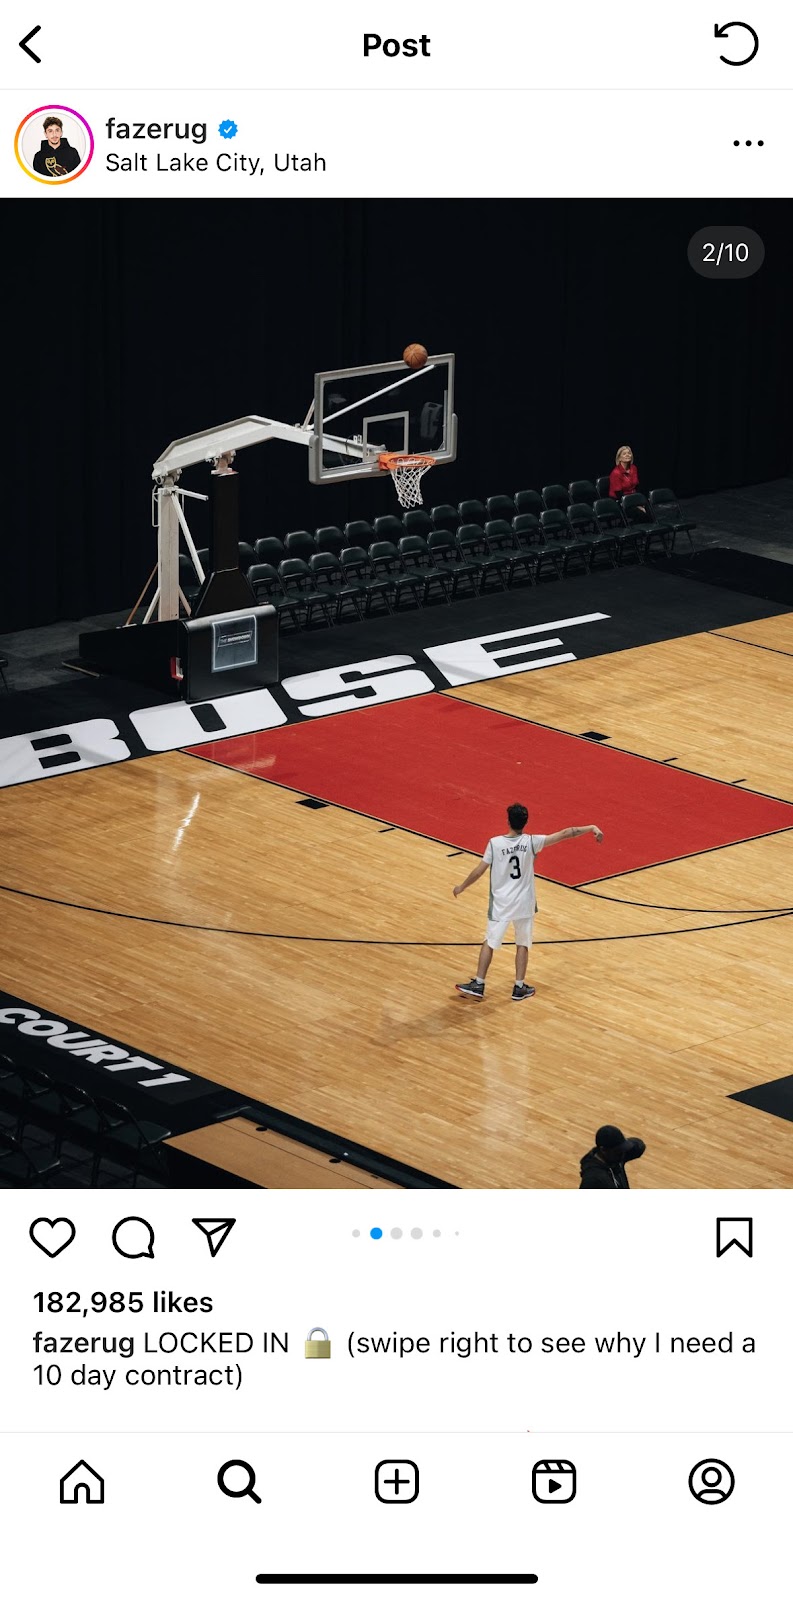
(578, 326)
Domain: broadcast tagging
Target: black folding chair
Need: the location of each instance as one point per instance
(555, 497)
(416, 558)
(500, 507)
(555, 533)
(389, 528)
(358, 535)
(559, 535)
(668, 511)
(329, 539)
(188, 579)
(388, 563)
(639, 514)
(270, 550)
(528, 500)
(446, 518)
(300, 545)
(583, 522)
(502, 540)
(298, 584)
(357, 568)
(582, 492)
(24, 1167)
(329, 574)
(472, 511)
(417, 521)
(473, 548)
(447, 558)
(611, 520)
(266, 585)
(527, 530)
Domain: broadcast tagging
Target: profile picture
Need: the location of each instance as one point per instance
(54, 144)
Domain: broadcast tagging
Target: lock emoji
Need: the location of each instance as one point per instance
(319, 1349)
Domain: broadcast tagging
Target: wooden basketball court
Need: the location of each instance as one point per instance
(313, 967)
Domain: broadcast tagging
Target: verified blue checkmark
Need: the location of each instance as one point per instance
(228, 129)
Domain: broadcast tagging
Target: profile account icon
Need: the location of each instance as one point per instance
(711, 1482)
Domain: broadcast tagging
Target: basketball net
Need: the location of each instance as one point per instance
(407, 473)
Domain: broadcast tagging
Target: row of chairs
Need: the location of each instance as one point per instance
(532, 502)
(52, 1131)
(351, 579)
(451, 549)
(25, 1164)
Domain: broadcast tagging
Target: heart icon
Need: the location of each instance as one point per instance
(52, 1234)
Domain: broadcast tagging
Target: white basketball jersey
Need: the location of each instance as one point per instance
(511, 863)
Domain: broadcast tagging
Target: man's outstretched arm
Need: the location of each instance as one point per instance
(574, 833)
(474, 874)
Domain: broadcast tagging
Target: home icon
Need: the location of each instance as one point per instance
(82, 1483)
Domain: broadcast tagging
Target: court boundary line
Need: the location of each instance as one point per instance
(700, 911)
(400, 944)
(751, 643)
(752, 915)
(341, 1150)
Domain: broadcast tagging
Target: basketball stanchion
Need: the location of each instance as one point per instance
(392, 417)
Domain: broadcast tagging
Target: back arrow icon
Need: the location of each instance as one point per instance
(23, 44)
(721, 33)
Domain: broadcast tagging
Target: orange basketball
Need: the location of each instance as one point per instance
(414, 355)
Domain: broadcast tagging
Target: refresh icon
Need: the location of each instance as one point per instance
(721, 31)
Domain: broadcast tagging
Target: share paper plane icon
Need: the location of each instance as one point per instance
(215, 1230)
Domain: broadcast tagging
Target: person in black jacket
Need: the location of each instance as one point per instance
(56, 158)
(604, 1167)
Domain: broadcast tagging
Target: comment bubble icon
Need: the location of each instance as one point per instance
(133, 1237)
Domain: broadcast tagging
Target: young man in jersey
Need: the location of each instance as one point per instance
(510, 860)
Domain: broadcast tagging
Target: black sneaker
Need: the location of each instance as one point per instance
(473, 990)
(522, 991)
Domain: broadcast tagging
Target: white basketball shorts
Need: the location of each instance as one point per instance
(497, 929)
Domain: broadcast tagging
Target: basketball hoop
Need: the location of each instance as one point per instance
(407, 473)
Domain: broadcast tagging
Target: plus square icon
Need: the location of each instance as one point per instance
(396, 1483)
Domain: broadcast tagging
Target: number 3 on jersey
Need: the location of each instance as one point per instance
(514, 866)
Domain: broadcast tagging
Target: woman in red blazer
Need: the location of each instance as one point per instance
(624, 479)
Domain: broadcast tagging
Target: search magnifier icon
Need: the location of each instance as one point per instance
(248, 1487)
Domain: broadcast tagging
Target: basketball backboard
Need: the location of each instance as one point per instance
(360, 413)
